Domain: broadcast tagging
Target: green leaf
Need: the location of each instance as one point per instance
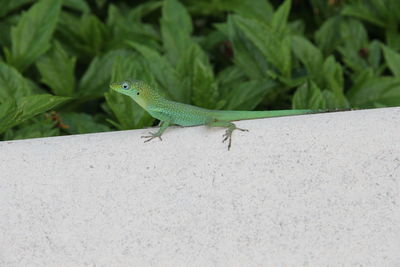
(331, 101)
(382, 91)
(204, 87)
(381, 13)
(13, 113)
(31, 37)
(36, 104)
(355, 40)
(5, 30)
(96, 78)
(392, 60)
(10, 5)
(128, 27)
(328, 36)
(37, 127)
(274, 46)
(68, 32)
(81, 123)
(308, 96)
(333, 75)
(247, 95)
(393, 37)
(365, 11)
(94, 35)
(324, 9)
(280, 17)
(86, 36)
(260, 9)
(309, 55)
(176, 28)
(334, 81)
(79, 5)
(374, 56)
(348, 33)
(246, 55)
(57, 70)
(100, 3)
(228, 78)
(12, 83)
(353, 34)
(141, 10)
(9, 113)
(197, 77)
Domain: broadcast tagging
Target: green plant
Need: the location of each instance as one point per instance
(59, 56)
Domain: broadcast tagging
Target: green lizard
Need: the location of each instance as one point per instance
(174, 113)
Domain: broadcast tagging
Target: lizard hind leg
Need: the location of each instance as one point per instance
(228, 133)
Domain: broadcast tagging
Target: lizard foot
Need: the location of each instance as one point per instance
(228, 135)
(151, 136)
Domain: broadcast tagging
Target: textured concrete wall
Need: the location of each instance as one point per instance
(313, 190)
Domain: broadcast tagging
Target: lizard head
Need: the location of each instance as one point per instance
(139, 91)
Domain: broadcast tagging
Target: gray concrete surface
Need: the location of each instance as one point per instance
(315, 190)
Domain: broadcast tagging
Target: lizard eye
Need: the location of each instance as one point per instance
(125, 86)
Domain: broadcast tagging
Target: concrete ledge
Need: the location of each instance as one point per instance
(313, 190)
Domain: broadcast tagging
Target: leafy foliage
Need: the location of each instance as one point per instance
(59, 57)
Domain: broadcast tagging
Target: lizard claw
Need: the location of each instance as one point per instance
(151, 136)
(228, 135)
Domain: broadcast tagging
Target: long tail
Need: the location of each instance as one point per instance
(233, 115)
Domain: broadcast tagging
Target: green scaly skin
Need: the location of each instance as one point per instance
(174, 113)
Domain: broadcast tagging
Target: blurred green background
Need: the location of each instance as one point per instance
(58, 57)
